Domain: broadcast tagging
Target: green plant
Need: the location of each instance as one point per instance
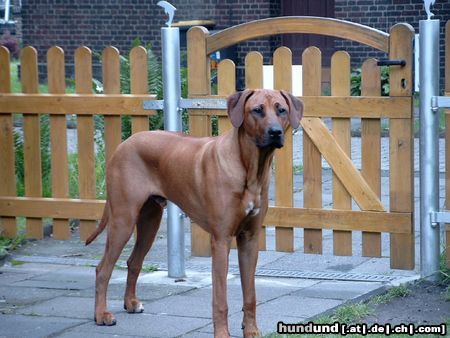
(392, 293)
(355, 81)
(45, 158)
(351, 313)
(10, 244)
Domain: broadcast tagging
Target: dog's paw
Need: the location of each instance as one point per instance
(251, 331)
(133, 306)
(106, 318)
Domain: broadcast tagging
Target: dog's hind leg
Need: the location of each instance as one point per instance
(119, 232)
(147, 227)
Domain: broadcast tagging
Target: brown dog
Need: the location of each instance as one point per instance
(221, 183)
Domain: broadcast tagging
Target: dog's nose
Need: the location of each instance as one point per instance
(275, 131)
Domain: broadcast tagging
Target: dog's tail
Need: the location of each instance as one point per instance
(101, 226)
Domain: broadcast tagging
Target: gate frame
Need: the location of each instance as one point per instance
(399, 45)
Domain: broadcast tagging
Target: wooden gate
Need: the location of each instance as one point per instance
(349, 184)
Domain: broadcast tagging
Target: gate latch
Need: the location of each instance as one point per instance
(400, 63)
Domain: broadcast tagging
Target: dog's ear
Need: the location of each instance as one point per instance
(236, 106)
(295, 108)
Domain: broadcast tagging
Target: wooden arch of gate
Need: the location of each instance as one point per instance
(349, 184)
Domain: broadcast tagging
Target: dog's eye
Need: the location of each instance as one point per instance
(282, 111)
(258, 111)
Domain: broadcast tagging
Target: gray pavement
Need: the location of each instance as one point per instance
(47, 287)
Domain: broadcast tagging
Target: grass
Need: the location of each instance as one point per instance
(15, 262)
(9, 244)
(395, 292)
(145, 268)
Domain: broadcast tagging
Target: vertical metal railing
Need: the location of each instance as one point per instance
(429, 147)
(172, 122)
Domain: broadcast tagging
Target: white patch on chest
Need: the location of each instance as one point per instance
(251, 210)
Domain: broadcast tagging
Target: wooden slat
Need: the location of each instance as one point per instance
(298, 24)
(85, 132)
(58, 138)
(254, 80)
(199, 84)
(139, 84)
(284, 185)
(111, 85)
(447, 137)
(8, 226)
(371, 150)
(312, 160)
(401, 146)
(31, 140)
(342, 166)
(340, 86)
(226, 85)
(397, 223)
(315, 106)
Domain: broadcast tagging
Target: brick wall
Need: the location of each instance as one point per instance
(96, 24)
(382, 15)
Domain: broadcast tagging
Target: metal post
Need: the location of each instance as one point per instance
(429, 148)
(172, 122)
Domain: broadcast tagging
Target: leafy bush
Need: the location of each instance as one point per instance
(356, 81)
(11, 43)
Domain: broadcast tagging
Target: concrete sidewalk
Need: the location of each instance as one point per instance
(47, 289)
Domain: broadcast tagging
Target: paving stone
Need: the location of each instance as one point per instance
(33, 326)
(55, 284)
(145, 292)
(298, 306)
(12, 296)
(75, 333)
(70, 307)
(189, 306)
(148, 325)
(311, 262)
(267, 322)
(338, 289)
(10, 277)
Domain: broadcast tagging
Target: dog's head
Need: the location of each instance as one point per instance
(265, 114)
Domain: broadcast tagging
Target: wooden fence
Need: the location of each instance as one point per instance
(57, 103)
(349, 183)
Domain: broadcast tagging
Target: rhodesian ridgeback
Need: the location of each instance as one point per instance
(221, 183)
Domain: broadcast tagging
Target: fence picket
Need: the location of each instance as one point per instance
(401, 146)
(31, 140)
(371, 150)
(8, 226)
(199, 83)
(58, 137)
(340, 86)
(139, 84)
(254, 80)
(111, 85)
(284, 185)
(312, 160)
(85, 132)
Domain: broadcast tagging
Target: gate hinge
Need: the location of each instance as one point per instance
(437, 217)
(440, 102)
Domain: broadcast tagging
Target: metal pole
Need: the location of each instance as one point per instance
(429, 148)
(172, 122)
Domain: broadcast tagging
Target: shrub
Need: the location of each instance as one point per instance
(356, 81)
(10, 42)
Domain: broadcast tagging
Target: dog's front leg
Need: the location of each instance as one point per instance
(247, 244)
(220, 249)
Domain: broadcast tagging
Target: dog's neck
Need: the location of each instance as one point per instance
(256, 161)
